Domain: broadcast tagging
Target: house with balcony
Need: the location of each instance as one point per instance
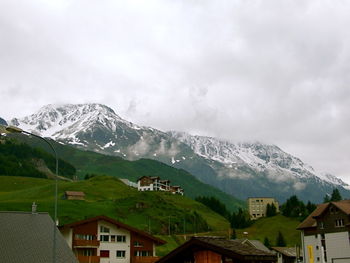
(154, 183)
(148, 183)
(102, 239)
(176, 190)
(325, 233)
(164, 185)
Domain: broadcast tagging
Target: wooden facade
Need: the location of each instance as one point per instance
(74, 195)
(326, 233)
(217, 250)
(103, 239)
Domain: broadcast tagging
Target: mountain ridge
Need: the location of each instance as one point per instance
(232, 167)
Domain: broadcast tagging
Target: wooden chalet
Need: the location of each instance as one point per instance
(217, 250)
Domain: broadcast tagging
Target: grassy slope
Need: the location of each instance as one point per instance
(269, 227)
(91, 162)
(116, 200)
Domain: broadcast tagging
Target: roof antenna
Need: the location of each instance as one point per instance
(34, 206)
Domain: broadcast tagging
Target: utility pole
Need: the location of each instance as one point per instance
(184, 225)
(169, 226)
(149, 225)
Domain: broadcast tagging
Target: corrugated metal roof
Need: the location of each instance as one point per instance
(28, 238)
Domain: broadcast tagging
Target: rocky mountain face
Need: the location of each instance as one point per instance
(2, 122)
(240, 169)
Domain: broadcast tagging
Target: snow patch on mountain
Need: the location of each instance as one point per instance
(67, 120)
(279, 165)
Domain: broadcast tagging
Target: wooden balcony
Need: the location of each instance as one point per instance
(86, 243)
(88, 259)
(145, 259)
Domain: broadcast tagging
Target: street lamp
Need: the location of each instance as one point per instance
(14, 129)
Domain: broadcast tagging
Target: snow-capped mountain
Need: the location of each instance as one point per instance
(95, 127)
(258, 156)
(241, 169)
(2, 122)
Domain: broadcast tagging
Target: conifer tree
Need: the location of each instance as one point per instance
(336, 195)
(280, 242)
(326, 199)
(267, 242)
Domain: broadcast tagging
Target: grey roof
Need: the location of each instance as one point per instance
(28, 238)
(287, 251)
(254, 243)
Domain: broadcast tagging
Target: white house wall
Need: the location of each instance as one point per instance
(68, 236)
(311, 242)
(338, 246)
(114, 246)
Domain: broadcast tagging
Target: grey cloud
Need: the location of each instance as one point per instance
(275, 71)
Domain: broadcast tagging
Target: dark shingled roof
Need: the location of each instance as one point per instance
(28, 238)
(234, 245)
(310, 221)
(228, 248)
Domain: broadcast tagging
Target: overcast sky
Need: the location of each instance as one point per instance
(273, 71)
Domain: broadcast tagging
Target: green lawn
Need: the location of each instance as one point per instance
(107, 195)
(269, 227)
(87, 162)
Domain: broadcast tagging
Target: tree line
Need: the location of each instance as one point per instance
(19, 159)
(293, 207)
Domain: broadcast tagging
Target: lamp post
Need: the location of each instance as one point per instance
(13, 129)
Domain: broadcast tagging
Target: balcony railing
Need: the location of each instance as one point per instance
(86, 243)
(145, 259)
(88, 259)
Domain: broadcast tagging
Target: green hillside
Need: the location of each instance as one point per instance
(19, 159)
(87, 162)
(106, 195)
(269, 227)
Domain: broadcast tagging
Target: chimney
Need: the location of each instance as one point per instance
(34, 206)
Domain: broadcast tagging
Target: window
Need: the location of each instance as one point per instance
(145, 253)
(104, 229)
(120, 253)
(321, 225)
(104, 253)
(139, 253)
(104, 238)
(339, 222)
(87, 252)
(333, 210)
(113, 238)
(121, 239)
(138, 244)
(84, 237)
